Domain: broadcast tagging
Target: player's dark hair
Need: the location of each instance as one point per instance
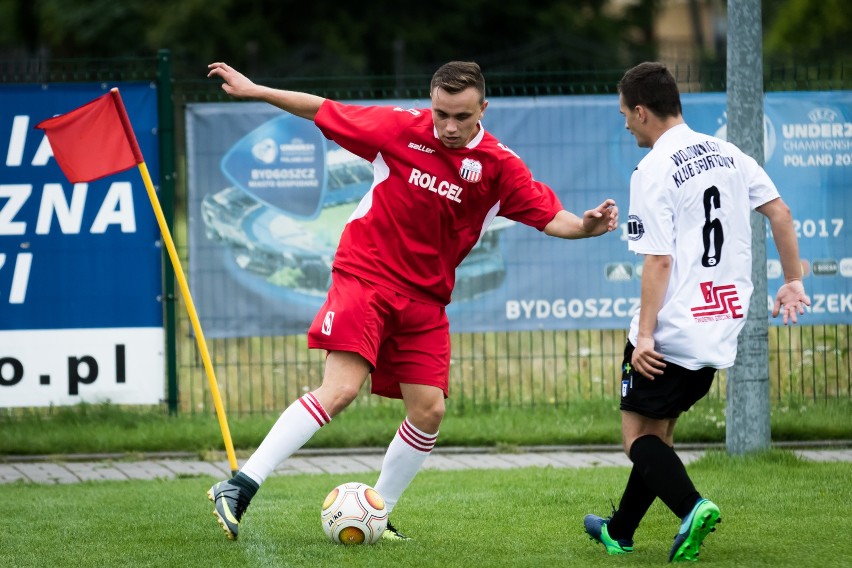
(456, 76)
(651, 85)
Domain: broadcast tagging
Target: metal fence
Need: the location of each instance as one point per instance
(531, 368)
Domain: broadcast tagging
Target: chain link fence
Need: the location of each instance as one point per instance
(497, 369)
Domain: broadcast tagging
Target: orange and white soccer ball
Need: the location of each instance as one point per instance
(354, 513)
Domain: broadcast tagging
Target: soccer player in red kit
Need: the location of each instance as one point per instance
(439, 181)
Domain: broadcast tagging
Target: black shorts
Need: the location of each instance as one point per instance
(669, 394)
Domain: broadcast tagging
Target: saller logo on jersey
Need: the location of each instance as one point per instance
(471, 170)
(720, 303)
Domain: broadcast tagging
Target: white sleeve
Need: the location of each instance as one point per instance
(761, 189)
(650, 217)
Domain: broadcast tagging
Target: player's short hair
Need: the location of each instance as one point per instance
(456, 76)
(651, 85)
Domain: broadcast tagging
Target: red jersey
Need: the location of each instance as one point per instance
(428, 204)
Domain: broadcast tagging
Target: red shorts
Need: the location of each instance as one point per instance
(405, 340)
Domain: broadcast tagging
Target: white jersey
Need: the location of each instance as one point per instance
(691, 198)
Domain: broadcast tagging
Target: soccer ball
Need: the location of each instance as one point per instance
(354, 513)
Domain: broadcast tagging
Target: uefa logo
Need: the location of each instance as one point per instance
(845, 267)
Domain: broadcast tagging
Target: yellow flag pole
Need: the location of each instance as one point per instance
(193, 316)
(184, 288)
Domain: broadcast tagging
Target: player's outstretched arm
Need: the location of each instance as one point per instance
(602, 219)
(238, 85)
(790, 301)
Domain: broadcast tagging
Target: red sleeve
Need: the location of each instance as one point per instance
(526, 200)
(362, 130)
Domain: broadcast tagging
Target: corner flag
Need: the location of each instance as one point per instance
(94, 140)
(97, 140)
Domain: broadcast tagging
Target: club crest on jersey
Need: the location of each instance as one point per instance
(635, 228)
(720, 303)
(471, 170)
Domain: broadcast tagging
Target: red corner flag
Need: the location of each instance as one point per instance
(94, 140)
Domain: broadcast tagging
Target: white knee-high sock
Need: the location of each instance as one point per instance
(296, 425)
(407, 451)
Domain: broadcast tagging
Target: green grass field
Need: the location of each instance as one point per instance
(105, 428)
(776, 510)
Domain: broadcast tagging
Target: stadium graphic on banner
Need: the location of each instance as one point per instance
(283, 217)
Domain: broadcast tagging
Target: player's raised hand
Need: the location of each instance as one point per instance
(602, 219)
(791, 298)
(235, 83)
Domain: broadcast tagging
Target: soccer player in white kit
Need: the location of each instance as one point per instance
(691, 198)
(439, 179)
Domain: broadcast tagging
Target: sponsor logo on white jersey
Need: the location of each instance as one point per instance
(635, 228)
(720, 303)
(327, 322)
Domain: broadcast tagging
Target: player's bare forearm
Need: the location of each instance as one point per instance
(784, 235)
(598, 221)
(238, 85)
(790, 301)
(656, 271)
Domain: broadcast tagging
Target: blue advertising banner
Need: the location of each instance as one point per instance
(269, 196)
(80, 264)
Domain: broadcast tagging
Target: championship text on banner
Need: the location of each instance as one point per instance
(269, 196)
(80, 264)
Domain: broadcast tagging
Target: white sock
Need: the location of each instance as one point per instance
(406, 454)
(296, 425)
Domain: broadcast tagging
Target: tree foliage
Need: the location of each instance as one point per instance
(337, 38)
(806, 31)
(381, 37)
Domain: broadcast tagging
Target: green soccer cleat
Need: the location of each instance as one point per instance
(230, 504)
(596, 529)
(699, 523)
(391, 533)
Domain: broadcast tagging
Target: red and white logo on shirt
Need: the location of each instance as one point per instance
(720, 303)
(326, 323)
(471, 170)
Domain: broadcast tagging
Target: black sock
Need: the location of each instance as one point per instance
(635, 502)
(243, 481)
(664, 474)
